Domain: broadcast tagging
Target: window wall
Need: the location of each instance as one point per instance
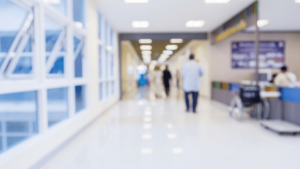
(107, 57)
(43, 71)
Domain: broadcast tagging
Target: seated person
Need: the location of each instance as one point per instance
(285, 78)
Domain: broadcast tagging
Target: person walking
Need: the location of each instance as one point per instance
(191, 73)
(158, 76)
(167, 77)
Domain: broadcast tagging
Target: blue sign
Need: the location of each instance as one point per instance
(271, 54)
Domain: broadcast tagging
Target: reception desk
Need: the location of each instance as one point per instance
(289, 103)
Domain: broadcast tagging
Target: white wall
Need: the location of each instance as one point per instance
(29, 153)
(221, 56)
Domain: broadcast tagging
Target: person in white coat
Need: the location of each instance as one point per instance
(191, 73)
(285, 78)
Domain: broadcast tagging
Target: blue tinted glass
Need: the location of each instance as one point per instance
(112, 66)
(80, 98)
(99, 26)
(78, 64)
(57, 104)
(24, 65)
(60, 5)
(100, 62)
(78, 11)
(55, 47)
(78, 52)
(112, 87)
(76, 43)
(9, 12)
(100, 91)
(107, 91)
(106, 63)
(18, 116)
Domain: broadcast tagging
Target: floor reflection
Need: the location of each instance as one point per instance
(144, 133)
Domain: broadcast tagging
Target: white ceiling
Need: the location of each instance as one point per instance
(171, 15)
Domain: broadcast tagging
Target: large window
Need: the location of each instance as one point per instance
(18, 118)
(43, 77)
(55, 48)
(107, 52)
(16, 40)
(57, 101)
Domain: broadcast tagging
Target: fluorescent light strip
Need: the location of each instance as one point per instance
(136, 1)
(145, 47)
(195, 23)
(176, 40)
(261, 23)
(297, 1)
(168, 52)
(140, 24)
(171, 47)
(53, 1)
(145, 41)
(145, 52)
(216, 1)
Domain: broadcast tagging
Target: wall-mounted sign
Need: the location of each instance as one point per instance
(242, 20)
(271, 54)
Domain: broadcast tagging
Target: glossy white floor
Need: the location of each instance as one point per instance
(159, 134)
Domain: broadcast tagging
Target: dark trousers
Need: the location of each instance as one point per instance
(167, 89)
(195, 99)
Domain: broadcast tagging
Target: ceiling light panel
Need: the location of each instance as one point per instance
(171, 47)
(140, 24)
(53, 1)
(168, 52)
(195, 23)
(145, 52)
(176, 40)
(297, 1)
(145, 41)
(261, 23)
(136, 1)
(146, 47)
(216, 1)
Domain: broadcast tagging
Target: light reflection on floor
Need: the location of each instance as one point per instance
(128, 136)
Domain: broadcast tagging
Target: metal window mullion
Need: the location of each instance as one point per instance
(15, 43)
(54, 54)
(20, 49)
(77, 51)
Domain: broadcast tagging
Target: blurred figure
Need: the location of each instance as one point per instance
(158, 79)
(178, 79)
(285, 78)
(191, 73)
(167, 77)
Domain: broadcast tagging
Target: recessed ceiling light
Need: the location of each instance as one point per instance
(146, 151)
(145, 52)
(297, 1)
(136, 1)
(145, 41)
(147, 126)
(146, 136)
(53, 1)
(171, 136)
(168, 52)
(140, 24)
(109, 48)
(171, 47)
(146, 47)
(195, 23)
(261, 23)
(216, 1)
(176, 40)
(147, 119)
(177, 150)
